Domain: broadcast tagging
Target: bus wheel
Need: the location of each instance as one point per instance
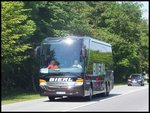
(51, 98)
(106, 93)
(89, 98)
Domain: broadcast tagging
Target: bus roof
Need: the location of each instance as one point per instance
(76, 37)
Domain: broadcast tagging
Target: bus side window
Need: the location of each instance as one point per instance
(94, 69)
(101, 68)
(97, 69)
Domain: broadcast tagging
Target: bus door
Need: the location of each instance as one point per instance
(98, 77)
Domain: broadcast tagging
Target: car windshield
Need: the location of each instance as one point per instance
(65, 55)
(136, 76)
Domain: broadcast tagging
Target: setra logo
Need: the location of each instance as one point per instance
(60, 80)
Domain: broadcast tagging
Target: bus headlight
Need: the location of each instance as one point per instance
(42, 82)
(79, 82)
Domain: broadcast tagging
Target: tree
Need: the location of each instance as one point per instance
(16, 29)
(143, 46)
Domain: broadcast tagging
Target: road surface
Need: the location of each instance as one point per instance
(121, 98)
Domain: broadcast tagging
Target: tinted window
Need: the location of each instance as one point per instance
(100, 58)
(136, 76)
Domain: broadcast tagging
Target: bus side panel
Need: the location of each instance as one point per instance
(98, 62)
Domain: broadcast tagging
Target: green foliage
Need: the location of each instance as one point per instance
(59, 18)
(16, 29)
(78, 18)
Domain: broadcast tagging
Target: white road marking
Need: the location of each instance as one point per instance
(80, 106)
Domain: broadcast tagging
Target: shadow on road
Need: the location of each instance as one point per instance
(81, 99)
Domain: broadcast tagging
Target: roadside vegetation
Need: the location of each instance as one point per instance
(19, 96)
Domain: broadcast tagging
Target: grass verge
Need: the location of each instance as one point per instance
(19, 98)
(117, 84)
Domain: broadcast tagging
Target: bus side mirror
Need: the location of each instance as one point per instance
(37, 51)
(83, 52)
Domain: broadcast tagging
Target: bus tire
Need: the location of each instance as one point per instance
(89, 98)
(51, 98)
(106, 93)
(107, 89)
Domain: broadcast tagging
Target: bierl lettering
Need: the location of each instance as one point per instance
(60, 79)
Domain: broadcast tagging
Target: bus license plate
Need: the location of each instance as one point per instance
(60, 92)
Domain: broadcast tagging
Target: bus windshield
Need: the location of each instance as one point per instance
(65, 54)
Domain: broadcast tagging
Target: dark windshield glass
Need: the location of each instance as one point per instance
(64, 53)
(136, 76)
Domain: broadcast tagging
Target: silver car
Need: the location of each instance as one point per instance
(136, 79)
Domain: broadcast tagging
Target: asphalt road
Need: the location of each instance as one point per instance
(121, 98)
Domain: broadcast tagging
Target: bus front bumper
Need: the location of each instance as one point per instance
(61, 91)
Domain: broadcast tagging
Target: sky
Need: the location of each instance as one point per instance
(145, 9)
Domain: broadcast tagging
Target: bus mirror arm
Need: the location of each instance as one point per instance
(37, 51)
(83, 54)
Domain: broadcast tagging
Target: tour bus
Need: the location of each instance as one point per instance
(83, 67)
